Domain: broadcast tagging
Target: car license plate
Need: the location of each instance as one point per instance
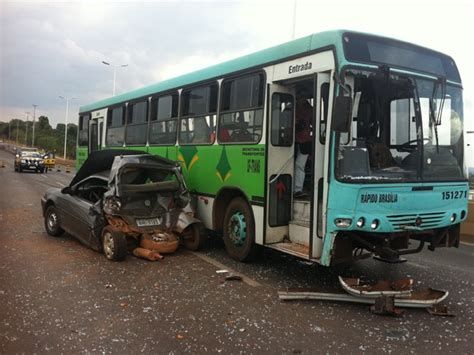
(148, 222)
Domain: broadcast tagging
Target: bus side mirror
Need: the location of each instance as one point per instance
(342, 114)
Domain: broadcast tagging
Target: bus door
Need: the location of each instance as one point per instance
(323, 89)
(96, 132)
(280, 161)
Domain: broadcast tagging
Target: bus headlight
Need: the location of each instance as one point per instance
(360, 222)
(453, 217)
(374, 224)
(343, 222)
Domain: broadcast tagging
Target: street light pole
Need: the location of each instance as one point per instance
(34, 119)
(115, 72)
(65, 128)
(26, 134)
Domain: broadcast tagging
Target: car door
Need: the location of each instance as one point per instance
(77, 217)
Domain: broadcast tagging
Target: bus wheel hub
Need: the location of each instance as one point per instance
(237, 229)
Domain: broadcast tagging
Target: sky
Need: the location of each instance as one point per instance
(50, 48)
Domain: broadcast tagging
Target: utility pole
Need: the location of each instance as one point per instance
(65, 128)
(294, 21)
(34, 119)
(115, 72)
(17, 129)
(26, 133)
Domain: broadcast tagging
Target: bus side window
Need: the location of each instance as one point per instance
(198, 119)
(115, 126)
(83, 132)
(241, 118)
(164, 117)
(136, 123)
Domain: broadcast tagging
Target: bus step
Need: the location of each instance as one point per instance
(299, 250)
(301, 210)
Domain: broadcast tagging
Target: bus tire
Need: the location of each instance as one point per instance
(239, 231)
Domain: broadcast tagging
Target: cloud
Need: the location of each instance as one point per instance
(56, 48)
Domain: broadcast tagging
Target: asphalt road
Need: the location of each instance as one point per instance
(57, 296)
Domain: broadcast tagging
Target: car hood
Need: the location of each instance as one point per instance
(98, 161)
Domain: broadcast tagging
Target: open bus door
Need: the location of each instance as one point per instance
(297, 226)
(280, 161)
(323, 96)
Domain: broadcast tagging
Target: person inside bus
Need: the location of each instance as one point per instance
(303, 137)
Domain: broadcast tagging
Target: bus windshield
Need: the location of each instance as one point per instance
(403, 129)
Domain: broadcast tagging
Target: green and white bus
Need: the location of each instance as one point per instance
(385, 173)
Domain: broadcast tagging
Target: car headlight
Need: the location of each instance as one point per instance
(113, 204)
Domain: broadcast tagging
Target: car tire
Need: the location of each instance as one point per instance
(194, 237)
(20, 169)
(52, 223)
(239, 231)
(114, 244)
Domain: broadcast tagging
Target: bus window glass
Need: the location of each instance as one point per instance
(241, 118)
(136, 123)
(163, 124)
(83, 139)
(197, 126)
(324, 107)
(115, 127)
(282, 120)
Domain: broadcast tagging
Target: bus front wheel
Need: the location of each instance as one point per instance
(239, 231)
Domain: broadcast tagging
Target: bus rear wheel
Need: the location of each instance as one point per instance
(239, 231)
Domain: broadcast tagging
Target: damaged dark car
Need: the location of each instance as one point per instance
(120, 197)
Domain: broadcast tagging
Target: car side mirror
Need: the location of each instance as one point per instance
(342, 114)
(67, 190)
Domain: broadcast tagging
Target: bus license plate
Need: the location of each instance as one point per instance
(148, 222)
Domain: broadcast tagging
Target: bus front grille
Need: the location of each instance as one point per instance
(419, 220)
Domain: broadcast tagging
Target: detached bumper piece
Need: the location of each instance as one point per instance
(384, 296)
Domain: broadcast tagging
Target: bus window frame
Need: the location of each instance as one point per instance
(182, 117)
(264, 93)
(147, 116)
(156, 97)
(124, 123)
(81, 122)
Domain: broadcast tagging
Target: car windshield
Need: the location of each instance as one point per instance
(403, 129)
(30, 155)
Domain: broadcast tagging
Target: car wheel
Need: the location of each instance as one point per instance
(20, 169)
(114, 244)
(52, 223)
(239, 231)
(194, 237)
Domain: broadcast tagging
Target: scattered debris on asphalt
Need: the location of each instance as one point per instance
(233, 278)
(440, 310)
(385, 296)
(385, 306)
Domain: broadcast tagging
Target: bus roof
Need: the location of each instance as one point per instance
(266, 56)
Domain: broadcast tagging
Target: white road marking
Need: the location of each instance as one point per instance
(219, 265)
(62, 185)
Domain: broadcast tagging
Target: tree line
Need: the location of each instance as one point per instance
(46, 138)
